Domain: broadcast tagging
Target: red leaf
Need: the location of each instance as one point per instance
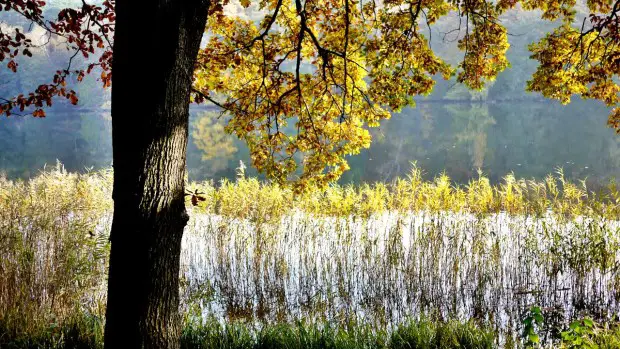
(13, 66)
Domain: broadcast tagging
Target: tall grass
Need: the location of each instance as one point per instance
(249, 198)
(375, 253)
(53, 248)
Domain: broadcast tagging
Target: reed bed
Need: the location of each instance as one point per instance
(377, 254)
(251, 199)
(391, 267)
(53, 248)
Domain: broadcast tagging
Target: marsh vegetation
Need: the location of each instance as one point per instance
(363, 258)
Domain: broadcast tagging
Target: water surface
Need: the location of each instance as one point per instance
(532, 139)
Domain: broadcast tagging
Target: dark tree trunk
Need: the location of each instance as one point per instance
(155, 48)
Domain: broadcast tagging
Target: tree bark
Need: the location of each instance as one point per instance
(155, 48)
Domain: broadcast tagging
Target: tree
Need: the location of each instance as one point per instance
(149, 136)
(149, 140)
(301, 86)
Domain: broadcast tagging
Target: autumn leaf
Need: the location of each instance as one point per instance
(73, 98)
(12, 66)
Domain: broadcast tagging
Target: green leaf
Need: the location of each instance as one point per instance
(539, 318)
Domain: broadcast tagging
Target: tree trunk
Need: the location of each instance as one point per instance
(155, 48)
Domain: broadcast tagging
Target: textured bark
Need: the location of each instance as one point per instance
(155, 48)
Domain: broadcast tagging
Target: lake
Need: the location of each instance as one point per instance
(531, 139)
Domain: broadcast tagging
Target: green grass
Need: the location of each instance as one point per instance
(77, 332)
(453, 334)
(86, 333)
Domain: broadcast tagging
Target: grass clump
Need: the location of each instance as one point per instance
(302, 336)
(76, 332)
(214, 335)
(453, 334)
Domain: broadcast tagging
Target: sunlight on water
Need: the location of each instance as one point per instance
(393, 266)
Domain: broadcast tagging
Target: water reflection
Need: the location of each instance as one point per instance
(78, 140)
(394, 266)
(531, 139)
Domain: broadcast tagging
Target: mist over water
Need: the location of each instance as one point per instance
(531, 139)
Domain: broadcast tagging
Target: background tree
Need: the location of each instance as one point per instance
(217, 147)
(301, 85)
